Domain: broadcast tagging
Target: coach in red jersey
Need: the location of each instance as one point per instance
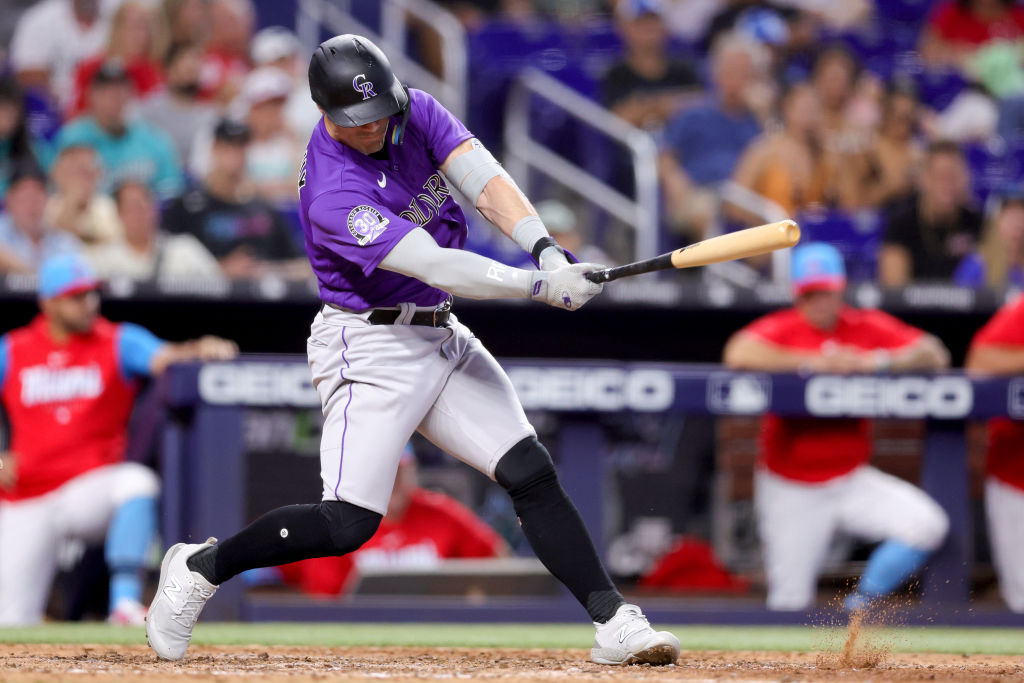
(813, 480)
(68, 382)
(998, 349)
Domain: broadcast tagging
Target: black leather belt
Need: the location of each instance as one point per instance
(435, 318)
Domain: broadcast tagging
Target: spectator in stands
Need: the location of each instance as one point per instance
(930, 231)
(16, 144)
(564, 225)
(146, 253)
(182, 22)
(26, 239)
(998, 349)
(813, 479)
(226, 61)
(278, 47)
(132, 41)
(704, 141)
(420, 529)
(274, 153)
(887, 170)
(958, 28)
(835, 79)
(78, 207)
(648, 85)
(246, 235)
(52, 37)
(177, 109)
(126, 148)
(999, 260)
(788, 166)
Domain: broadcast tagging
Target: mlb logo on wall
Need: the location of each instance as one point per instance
(1015, 398)
(366, 224)
(733, 394)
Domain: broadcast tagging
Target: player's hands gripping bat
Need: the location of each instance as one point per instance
(736, 245)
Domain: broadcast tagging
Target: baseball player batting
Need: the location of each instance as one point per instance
(388, 357)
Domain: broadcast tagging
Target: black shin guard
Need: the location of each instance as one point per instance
(554, 528)
(288, 534)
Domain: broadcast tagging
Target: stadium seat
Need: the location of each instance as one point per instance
(857, 236)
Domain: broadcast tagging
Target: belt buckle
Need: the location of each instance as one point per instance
(443, 308)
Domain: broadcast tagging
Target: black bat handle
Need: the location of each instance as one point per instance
(608, 274)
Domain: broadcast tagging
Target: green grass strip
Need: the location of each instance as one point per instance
(783, 638)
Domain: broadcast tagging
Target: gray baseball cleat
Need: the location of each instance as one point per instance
(180, 597)
(627, 638)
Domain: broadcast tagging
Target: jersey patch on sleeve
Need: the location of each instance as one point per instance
(366, 224)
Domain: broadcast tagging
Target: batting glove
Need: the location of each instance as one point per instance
(566, 287)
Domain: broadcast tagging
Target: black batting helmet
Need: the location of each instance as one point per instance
(351, 79)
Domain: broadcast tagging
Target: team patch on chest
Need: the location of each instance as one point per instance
(425, 206)
(366, 224)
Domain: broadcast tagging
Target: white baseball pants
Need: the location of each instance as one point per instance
(32, 530)
(797, 521)
(1004, 507)
(380, 383)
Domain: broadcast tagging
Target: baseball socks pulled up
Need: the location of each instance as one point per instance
(191, 573)
(561, 542)
(888, 568)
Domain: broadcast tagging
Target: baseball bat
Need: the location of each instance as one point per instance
(735, 245)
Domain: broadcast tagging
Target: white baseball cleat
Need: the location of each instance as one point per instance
(627, 638)
(180, 597)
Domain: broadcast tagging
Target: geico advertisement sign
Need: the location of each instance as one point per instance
(939, 397)
(600, 389)
(257, 384)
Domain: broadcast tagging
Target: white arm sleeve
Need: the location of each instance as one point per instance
(458, 272)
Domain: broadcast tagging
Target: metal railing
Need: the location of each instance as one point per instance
(524, 154)
(767, 211)
(313, 16)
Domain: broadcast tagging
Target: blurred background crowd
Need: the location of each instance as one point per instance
(162, 137)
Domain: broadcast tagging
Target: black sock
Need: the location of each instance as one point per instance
(205, 563)
(288, 534)
(557, 534)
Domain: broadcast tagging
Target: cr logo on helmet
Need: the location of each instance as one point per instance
(364, 86)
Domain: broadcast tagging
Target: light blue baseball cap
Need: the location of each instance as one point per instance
(815, 267)
(65, 274)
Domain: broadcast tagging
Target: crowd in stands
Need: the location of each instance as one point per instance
(891, 128)
(159, 139)
(163, 137)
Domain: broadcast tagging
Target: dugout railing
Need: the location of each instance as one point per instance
(203, 467)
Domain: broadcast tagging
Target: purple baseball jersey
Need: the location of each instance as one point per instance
(354, 208)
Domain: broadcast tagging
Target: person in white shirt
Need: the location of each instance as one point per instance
(276, 46)
(52, 37)
(146, 253)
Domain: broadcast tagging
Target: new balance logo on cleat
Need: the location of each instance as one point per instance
(627, 638)
(174, 587)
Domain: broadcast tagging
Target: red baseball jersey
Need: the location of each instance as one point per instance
(819, 449)
(434, 527)
(68, 405)
(1004, 455)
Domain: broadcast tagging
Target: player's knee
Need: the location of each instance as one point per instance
(135, 481)
(934, 527)
(349, 526)
(926, 529)
(527, 466)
